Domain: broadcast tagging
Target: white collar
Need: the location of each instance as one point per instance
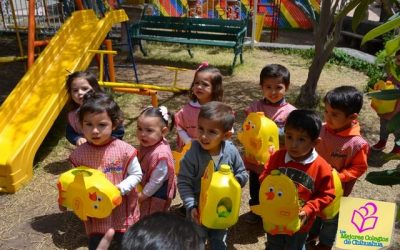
(308, 160)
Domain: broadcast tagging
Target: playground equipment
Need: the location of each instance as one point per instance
(219, 197)
(260, 137)
(88, 193)
(279, 204)
(34, 104)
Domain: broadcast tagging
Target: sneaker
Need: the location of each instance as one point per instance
(252, 218)
(379, 146)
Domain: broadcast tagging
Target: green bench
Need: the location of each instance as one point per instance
(191, 31)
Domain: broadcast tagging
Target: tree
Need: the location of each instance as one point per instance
(326, 30)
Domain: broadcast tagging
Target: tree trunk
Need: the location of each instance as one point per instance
(326, 34)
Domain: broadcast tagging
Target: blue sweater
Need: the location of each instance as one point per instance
(194, 164)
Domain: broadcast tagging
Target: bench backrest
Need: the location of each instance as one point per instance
(216, 29)
(163, 26)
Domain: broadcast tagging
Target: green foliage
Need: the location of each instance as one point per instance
(339, 57)
(394, 23)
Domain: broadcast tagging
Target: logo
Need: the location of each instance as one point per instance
(364, 218)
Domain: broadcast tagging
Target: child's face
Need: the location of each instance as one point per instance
(97, 128)
(336, 119)
(298, 143)
(273, 89)
(211, 134)
(150, 130)
(79, 87)
(202, 87)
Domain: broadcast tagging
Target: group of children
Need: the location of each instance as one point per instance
(309, 151)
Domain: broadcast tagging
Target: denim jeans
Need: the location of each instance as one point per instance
(216, 237)
(286, 242)
(384, 134)
(326, 230)
(254, 186)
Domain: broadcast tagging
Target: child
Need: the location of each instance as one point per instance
(98, 116)
(214, 129)
(78, 84)
(385, 118)
(156, 160)
(206, 87)
(310, 172)
(162, 231)
(274, 82)
(343, 147)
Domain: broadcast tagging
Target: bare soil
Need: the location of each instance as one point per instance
(30, 218)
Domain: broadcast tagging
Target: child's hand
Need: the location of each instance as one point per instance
(142, 197)
(194, 214)
(80, 141)
(303, 217)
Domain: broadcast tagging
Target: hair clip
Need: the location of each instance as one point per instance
(202, 65)
(164, 112)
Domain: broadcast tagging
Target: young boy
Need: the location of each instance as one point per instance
(343, 147)
(215, 124)
(310, 172)
(274, 82)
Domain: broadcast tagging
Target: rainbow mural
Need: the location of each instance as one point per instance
(291, 16)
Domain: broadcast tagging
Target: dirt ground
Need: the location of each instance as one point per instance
(30, 218)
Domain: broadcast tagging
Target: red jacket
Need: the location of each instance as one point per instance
(316, 189)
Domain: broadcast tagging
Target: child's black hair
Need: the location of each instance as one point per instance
(275, 71)
(305, 120)
(88, 76)
(98, 102)
(162, 231)
(219, 112)
(217, 90)
(345, 98)
(157, 112)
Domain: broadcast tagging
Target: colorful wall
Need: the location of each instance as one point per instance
(290, 15)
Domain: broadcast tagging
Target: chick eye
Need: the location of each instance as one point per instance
(253, 126)
(99, 198)
(271, 189)
(280, 194)
(95, 206)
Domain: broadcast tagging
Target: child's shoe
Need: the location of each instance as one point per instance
(379, 146)
(252, 218)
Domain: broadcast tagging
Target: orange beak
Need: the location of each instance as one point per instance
(247, 126)
(270, 195)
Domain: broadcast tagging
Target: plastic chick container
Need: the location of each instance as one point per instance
(279, 204)
(383, 106)
(219, 198)
(88, 193)
(332, 209)
(260, 137)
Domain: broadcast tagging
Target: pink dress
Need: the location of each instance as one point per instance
(186, 118)
(73, 120)
(149, 157)
(113, 160)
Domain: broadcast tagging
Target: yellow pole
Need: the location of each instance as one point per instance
(141, 86)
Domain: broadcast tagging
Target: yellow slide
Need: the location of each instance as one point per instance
(28, 113)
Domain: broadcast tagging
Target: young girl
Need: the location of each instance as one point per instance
(98, 116)
(155, 158)
(206, 87)
(78, 84)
